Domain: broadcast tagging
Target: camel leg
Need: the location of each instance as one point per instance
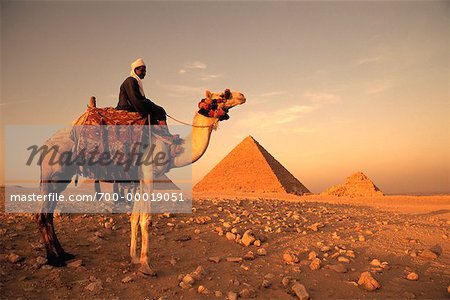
(55, 253)
(145, 222)
(134, 221)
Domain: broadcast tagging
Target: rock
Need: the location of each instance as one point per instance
(368, 282)
(312, 255)
(14, 258)
(375, 263)
(315, 264)
(127, 279)
(448, 289)
(248, 238)
(339, 268)
(428, 254)
(257, 243)
(40, 261)
(325, 249)
(234, 259)
(266, 283)
(218, 294)
(202, 289)
(75, 264)
(343, 259)
(300, 291)
(412, 276)
(188, 279)
(247, 293)
(315, 227)
(285, 281)
(226, 224)
(94, 286)
(249, 255)
(232, 296)
(230, 236)
(215, 259)
(261, 252)
(290, 258)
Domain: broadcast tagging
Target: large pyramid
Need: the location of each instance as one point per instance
(357, 185)
(249, 168)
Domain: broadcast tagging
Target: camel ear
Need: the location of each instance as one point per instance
(208, 94)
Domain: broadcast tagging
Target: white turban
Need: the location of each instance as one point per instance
(135, 64)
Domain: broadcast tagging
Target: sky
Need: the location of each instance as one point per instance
(332, 87)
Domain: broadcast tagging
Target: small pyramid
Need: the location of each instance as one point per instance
(357, 185)
(249, 168)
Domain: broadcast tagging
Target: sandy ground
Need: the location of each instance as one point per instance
(405, 234)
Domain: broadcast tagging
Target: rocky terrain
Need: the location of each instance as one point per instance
(227, 249)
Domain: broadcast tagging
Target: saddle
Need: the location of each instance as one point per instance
(114, 148)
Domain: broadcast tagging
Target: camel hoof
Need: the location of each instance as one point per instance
(135, 260)
(55, 261)
(66, 256)
(146, 270)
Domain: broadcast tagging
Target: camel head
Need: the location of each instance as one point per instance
(217, 105)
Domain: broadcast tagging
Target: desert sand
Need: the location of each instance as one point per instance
(267, 246)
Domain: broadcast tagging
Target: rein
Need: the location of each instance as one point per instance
(184, 123)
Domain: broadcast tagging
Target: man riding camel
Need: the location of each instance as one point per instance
(132, 96)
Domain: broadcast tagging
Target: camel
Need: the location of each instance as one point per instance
(56, 177)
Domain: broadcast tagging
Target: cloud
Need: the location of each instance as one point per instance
(322, 98)
(193, 65)
(180, 90)
(273, 119)
(208, 77)
(369, 60)
(376, 88)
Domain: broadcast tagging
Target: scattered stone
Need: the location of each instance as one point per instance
(325, 249)
(230, 236)
(368, 282)
(127, 279)
(218, 294)
(188, 279)
(40, 261)
(339, 268)
(300, 291)
(249, 256)
(234, 259)
(290, 258)
(312, 255)
(375, 263)
(285, 281)
(412, 276)
(248, 238)
(75, 264)
(266, 284)
(315, 226)
(202, 289)
(215, 259)
(343, 259)
(261, 252)
(428, 254)
(94, 286)
(315, 264)
(247, 293)
(232, 296)
(14, 258)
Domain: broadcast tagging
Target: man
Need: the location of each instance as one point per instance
(132, 97)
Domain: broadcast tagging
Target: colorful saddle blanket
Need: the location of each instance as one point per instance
(110, 143)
